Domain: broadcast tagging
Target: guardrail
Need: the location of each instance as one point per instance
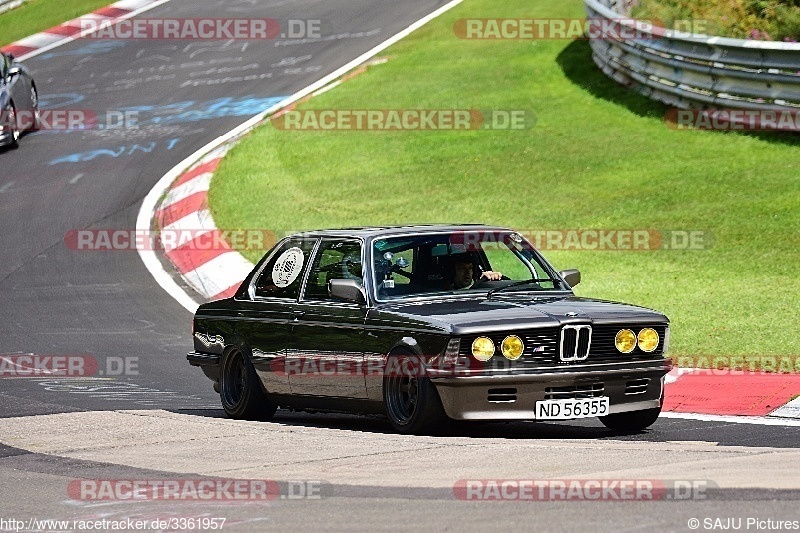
(5, 5)
(692, 71)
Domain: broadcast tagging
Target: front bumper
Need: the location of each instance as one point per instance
(514, 396)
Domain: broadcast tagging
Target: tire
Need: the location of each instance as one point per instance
(12, 123)
(37, 116)
(240, 390)
(410, 399)
(632, 421)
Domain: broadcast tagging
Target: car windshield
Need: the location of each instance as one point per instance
(456, 263)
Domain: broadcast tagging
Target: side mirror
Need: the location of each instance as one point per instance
(10, 56)
(347, 289)
(572, 276)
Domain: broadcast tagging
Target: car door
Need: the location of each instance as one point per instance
(327, 334)
(18, 86)
(5, 83)
(264, 319)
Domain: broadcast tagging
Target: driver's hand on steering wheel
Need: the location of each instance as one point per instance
(490, 275)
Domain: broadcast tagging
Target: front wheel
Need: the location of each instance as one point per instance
(631, 421)
(37, 115)
(240, 389)
(12, 125)
(410, 399)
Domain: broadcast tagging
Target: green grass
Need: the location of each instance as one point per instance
(37, 15)
(599, 157)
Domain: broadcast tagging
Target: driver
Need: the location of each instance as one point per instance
(463, 268)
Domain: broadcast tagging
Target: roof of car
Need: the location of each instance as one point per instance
(383, 231)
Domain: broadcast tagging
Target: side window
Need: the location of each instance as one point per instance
(335, 259)
(283, 273)
(4, 65)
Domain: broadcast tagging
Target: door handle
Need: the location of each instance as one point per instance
(298, 314)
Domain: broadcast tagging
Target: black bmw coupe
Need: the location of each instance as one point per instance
(19, 101)
(426, 324)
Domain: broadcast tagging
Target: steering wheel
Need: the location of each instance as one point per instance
(481, 280)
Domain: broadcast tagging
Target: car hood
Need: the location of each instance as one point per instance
(465, 316)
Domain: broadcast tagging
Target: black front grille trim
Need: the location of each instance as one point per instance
(637, 386)
(542, 347)
(507, 395)
(575, 342)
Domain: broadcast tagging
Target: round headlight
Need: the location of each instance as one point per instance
(482, 348)
(512, 347)
(625, 341)
(648, 339)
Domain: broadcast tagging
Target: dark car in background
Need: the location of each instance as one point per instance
(19, 101)
(426, 324)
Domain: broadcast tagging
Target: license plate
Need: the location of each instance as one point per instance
(572, 408)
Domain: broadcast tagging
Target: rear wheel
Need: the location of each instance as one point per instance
(631, 421)
(240, 389)
(410, 399)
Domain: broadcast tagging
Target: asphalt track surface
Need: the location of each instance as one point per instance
(57, 301)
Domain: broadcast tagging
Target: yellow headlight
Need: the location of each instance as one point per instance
(625, 341)
(482, 348)
(512, 347)
(648, 339)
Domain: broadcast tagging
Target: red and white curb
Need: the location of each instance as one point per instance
(213, 275)
(73, 29)
(213, 271)
(732, 392)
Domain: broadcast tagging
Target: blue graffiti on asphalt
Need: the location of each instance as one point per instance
(54, 101)
(177, 113)
(99, 47)
(116, 152)
(191, 111)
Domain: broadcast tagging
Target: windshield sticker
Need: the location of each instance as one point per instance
(288, 267)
